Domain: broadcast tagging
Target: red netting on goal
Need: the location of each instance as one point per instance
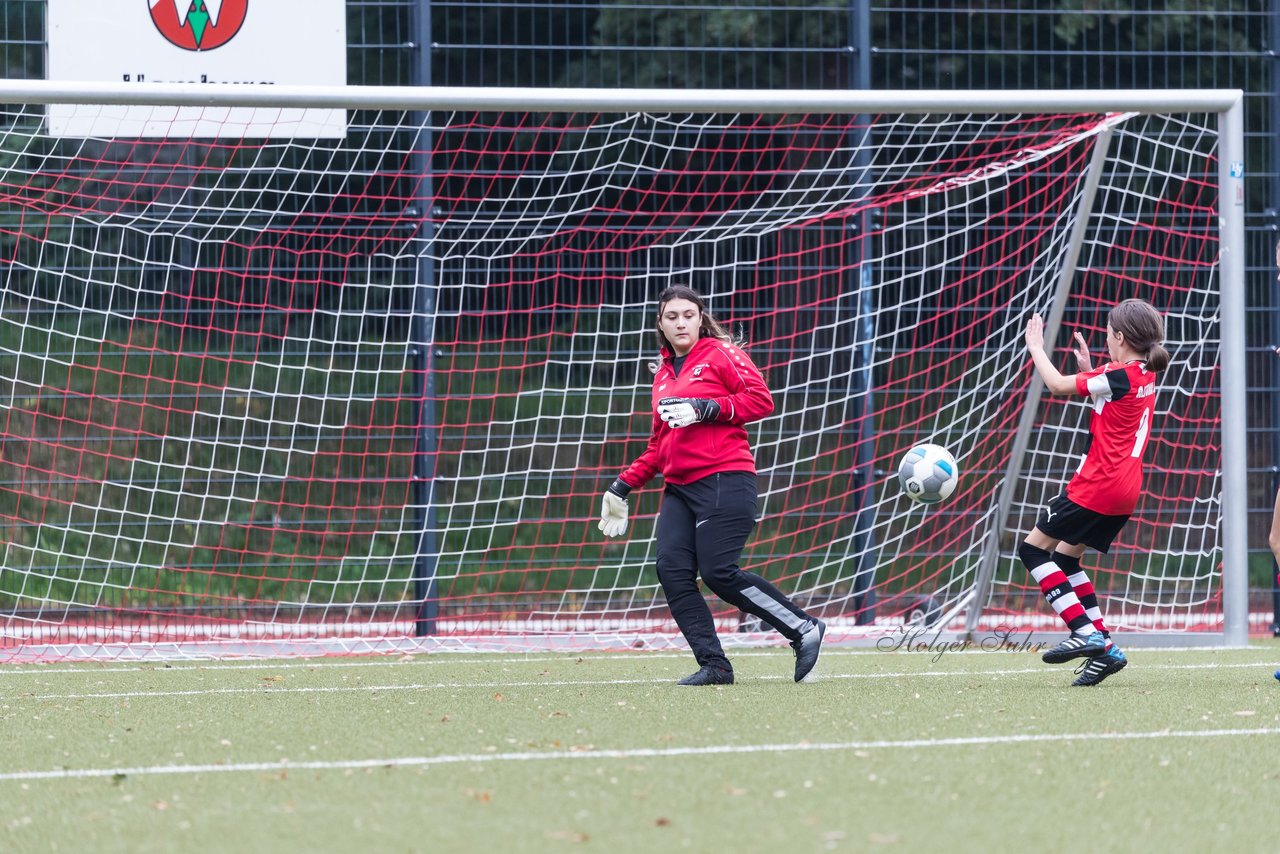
(292, 396)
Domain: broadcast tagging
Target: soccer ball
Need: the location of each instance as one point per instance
(928, 474)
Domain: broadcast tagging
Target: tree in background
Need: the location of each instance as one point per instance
(783, 43)
(918, 44)
(22, 39)
(786, 44)
(507, 44)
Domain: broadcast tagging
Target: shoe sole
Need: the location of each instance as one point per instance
(1111, 668)
(1064, 657)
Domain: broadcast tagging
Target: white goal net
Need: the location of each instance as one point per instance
(285, 395)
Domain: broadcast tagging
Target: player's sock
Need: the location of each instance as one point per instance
(1056, 588)
(1089, 599)
(1083, 587)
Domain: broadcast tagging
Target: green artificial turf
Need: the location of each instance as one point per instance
(558, 752)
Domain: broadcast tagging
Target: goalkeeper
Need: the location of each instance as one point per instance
(705, 389)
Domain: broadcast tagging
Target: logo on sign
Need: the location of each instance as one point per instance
(198, 24)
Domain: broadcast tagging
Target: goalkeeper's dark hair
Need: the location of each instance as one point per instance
(708, 328)
(1143, 329)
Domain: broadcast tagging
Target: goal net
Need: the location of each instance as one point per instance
(266, 394)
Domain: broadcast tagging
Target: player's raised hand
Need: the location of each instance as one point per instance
(1035, 332)
(1081, 349)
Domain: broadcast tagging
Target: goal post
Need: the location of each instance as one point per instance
(1027, 420)
(268, 390)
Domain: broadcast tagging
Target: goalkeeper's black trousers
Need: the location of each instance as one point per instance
(702, 527)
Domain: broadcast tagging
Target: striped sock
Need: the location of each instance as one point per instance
(1089, 599)
(1083, 587)
(1056, 588)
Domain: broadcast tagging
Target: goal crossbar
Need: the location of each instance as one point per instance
(623, 100)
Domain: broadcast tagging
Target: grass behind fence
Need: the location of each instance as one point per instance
(150, 465)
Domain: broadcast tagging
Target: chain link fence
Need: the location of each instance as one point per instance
(999, 44)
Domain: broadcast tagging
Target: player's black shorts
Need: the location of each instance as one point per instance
(1065, 520)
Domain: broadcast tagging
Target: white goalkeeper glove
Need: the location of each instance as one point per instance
(613, 511)
(683, 411)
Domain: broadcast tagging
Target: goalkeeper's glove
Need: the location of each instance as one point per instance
(613, 512)
(683, 411)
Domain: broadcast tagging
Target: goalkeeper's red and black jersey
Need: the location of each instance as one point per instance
(1124, 401)
(719, 371)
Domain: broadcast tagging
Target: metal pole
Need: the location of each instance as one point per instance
(426, 553)
(860, 43)
(1274, 291)
(495, 99)
(1031, 407)
(1235, 471)
(861, 284)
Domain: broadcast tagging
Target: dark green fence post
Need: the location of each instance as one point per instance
(861, 287)
(426, 553)
(1273, 292)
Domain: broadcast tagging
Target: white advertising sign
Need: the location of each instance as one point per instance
(197, 41)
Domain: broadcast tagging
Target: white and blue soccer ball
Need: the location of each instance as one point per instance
(928, 474)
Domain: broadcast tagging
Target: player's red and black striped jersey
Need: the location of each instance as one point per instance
(724, 373)
(1124, 402)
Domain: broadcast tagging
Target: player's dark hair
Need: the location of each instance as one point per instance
(709, 327)
(1143, 329)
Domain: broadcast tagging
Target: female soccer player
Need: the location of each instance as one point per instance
(705, 389)
(1105, 489)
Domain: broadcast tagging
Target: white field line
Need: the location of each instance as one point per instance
(264, 690)
(635, 753)
(441, 659)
